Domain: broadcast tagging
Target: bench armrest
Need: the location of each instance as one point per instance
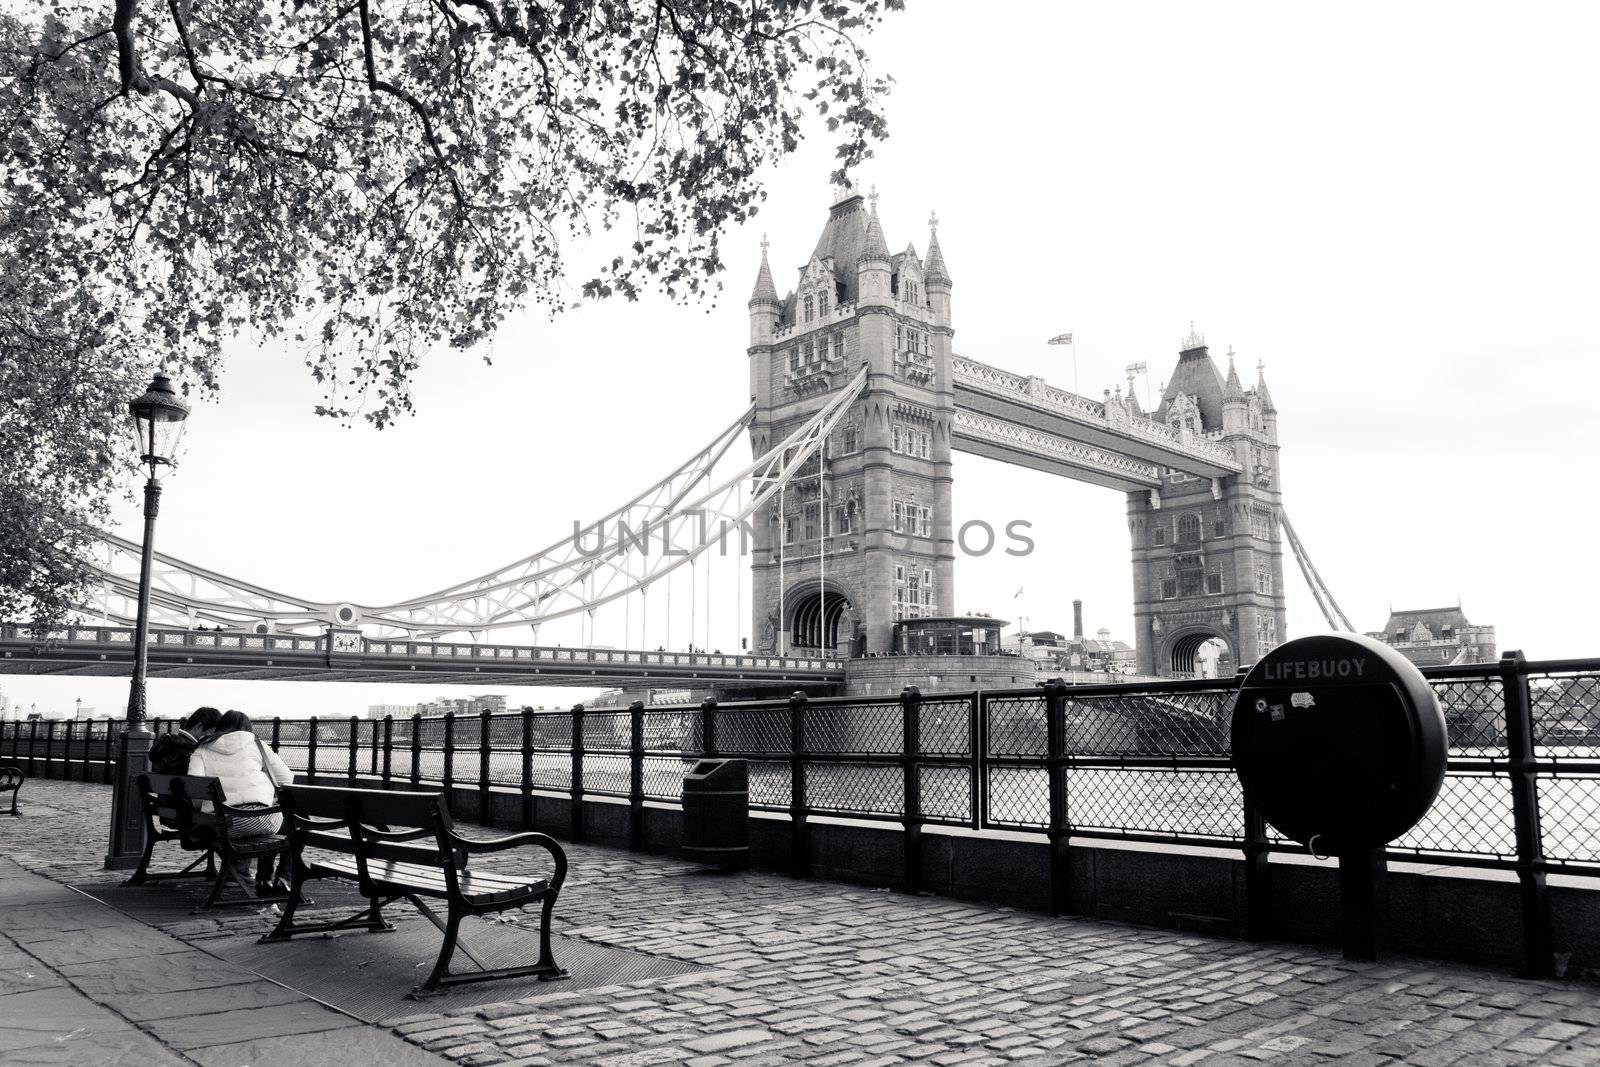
(497, 844)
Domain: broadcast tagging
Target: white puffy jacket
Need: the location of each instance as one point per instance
(236, 759)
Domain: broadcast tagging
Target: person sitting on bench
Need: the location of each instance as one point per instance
(251, 774)
(170, 753)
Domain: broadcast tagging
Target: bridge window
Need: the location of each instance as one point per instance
(1188, 529)
(849, 440)
(838, 346)
(1158, 534)
(1266, 632)
(1191, 579)
(1263, 578)
(810, 356)
(1219, 528)
(844, 518)
(810, 513)
(810, 308)
(790, 529)
(794, 358)
(1214, 582)
(1169, 588)
(822, 304)
(894, 438)
(1260, 526)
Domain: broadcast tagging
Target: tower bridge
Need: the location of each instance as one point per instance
(858, 404)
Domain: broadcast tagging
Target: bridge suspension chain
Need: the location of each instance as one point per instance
(1319, 589)
(568, 578)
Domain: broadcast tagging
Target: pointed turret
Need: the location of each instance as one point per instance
(1133, 399)
(875, 265)
(933, 268)
(765, 291)
(1232, 389)
(1235, 404)
(874, 247)
(1261, 390)
(765, 307)
(935, 275)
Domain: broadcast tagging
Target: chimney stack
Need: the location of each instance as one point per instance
(1077, 620)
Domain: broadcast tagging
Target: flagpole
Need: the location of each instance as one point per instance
(1066, 339)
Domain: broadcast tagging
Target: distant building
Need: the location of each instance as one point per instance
(476, 705)
(1434, 636)
(398, 711)
(1055, 651)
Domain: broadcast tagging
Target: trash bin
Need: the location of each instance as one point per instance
(716, 813)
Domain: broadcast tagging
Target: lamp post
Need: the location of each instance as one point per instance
(157, 419)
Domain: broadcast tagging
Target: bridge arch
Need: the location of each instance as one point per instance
(1198, 652)
(821, 617)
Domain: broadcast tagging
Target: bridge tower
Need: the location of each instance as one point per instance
(1208, 554)
(863, 536)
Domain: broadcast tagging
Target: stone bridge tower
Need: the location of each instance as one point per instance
(863, 536)
(1208, 555)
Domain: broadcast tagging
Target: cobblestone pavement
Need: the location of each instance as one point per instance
(807, 971)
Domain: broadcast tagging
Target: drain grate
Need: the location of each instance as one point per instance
(368, 975)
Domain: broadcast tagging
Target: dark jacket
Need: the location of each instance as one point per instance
(170, 753)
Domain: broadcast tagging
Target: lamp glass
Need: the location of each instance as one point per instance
(157, 420)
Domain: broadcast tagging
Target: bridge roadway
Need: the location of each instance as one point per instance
(108, 651)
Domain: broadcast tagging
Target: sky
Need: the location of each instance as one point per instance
(1391, 207)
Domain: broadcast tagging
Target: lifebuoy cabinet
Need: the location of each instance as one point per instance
(1339, 743)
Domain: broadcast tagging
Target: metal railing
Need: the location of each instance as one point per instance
(1146, 762)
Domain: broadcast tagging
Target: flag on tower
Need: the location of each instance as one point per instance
(1061, 339)
(1018, 593)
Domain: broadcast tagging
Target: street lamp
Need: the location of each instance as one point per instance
(157, 419)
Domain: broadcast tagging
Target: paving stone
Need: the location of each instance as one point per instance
(187, 1032)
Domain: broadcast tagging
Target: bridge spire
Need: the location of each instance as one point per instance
(765, 291)
(934, 271)
(1261, 389)
(1233, 389)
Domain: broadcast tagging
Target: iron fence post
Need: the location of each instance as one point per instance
(708, 728)
(416, 749)
(66, 752)
(311, 750)
(388, 749)
(978, 747)
(576, 785)
(483, 768)
(1537, 944)
(1059, 832)
(636, 776)
(911, 767)
(527, 769)
(277, 729)
(355, 747)
(377, 747)
(1257, 856)
(448, 781)
(109, 765)
(799, 853)
(1257, 874)
(50, 749)
(33, 743)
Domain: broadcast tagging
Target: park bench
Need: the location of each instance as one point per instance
(193, 812)
(11, 779)
(398, 845)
